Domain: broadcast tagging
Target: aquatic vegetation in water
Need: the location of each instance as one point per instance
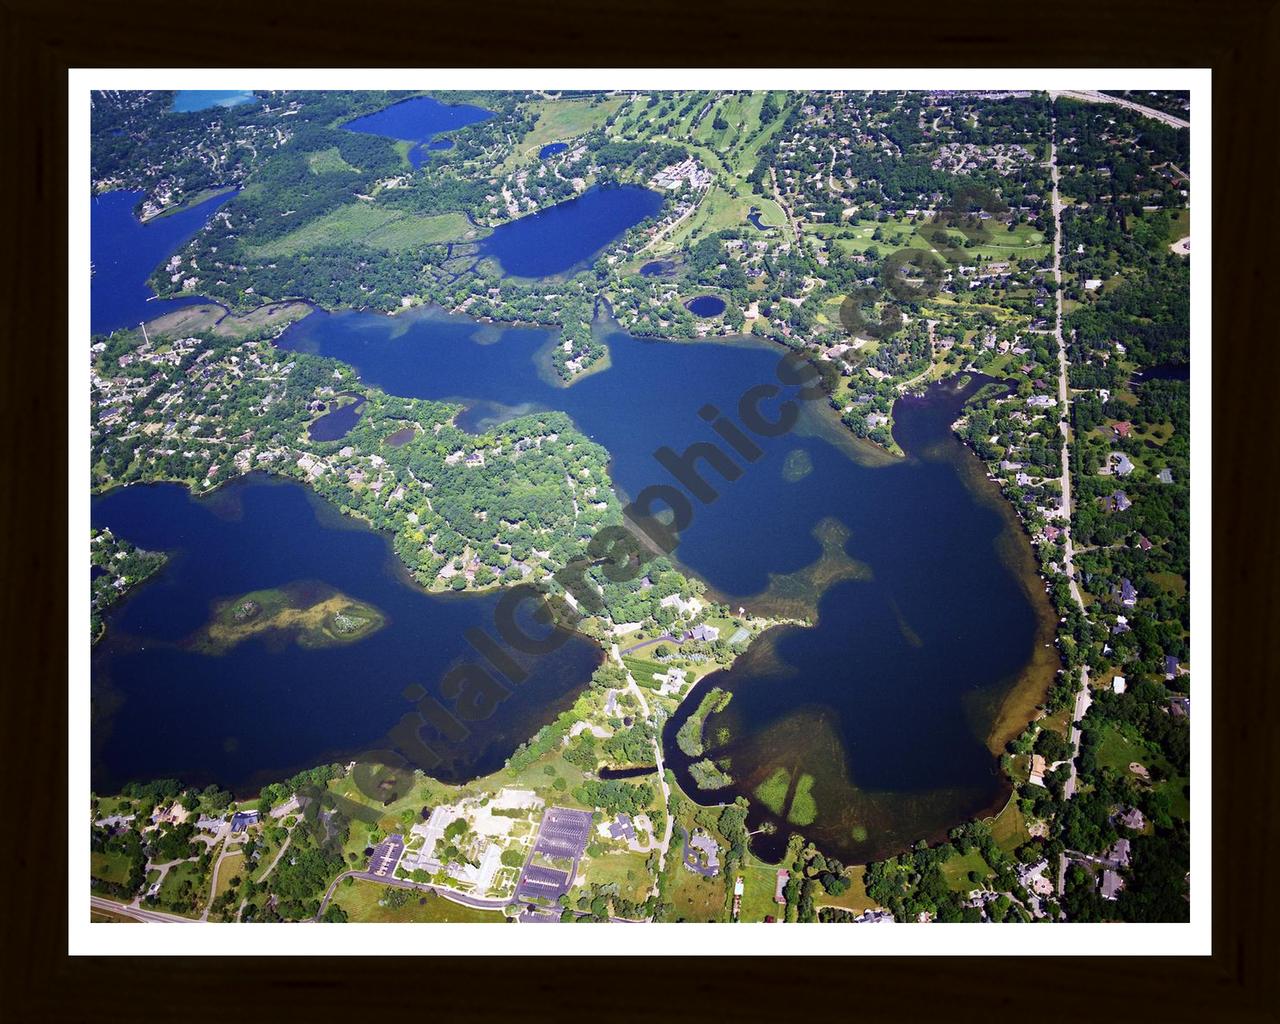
(312, 615)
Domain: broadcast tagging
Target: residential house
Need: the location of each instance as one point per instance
(1112, 883)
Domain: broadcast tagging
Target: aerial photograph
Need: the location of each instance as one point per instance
(628, 506)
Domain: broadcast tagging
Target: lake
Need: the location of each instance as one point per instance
(658, 268)
(268, 707)
(125, 252)
(705, 305)
(1163, 371)
(551, 149)
(568, 235)
(929, 647)
(187, 100)
(419, 120)
(339, 420)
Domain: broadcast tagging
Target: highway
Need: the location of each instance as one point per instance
(1093, 96)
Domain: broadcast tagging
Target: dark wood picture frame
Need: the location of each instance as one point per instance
(42, 40)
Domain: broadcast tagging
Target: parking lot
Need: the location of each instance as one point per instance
(386, 855)
(564, 833)
(543, 883)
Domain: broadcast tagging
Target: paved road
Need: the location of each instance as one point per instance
(1064, 425)
(138, 913)
(224, 834)
(1093, 96)
(666, 637)
(657, 756)
(786, 212)
(1083, 697)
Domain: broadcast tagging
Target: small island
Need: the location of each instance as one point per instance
(311, 614)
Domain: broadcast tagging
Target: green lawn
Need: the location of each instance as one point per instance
(1024, 242)
(361, 901)
(759, 881)
(626, 868)
(560, 120)
(368, 224)
(173, 880)
(110, 867)
(1116, 750)
(957, 868)
(721, 209)
(854, 898)
(232, 867)
(695, 898)
(325, 161)
(1009, 828)
(1119, 746)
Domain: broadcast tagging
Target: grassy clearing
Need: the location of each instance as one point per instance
(958, 868)
(1178, 790)
(854, 898)
(1009, 828)
(721, 209)
(362, 902)
(1117, 750)
(696, 898)
(560, 120)
(363, 223)
(759, 882)
(174, 878)
(627, 869)
(1024, 242)
(1169, 582)
(110, 867)
(327, 161)
(232, 867)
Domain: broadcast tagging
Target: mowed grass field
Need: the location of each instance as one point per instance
(624, 867)
(721, 209)
(369, 224)
(361, 901)
(956, 870)
(1118, 747)
(110, 867)
(1024, 242)
(561, 120)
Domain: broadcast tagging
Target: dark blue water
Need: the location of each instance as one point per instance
(888, 701)
(657, 268)
(202, 99)
(551, 149)
(924, 619)
(705, 305)
(754, 218)
(268, 708)
(337, 423)
(568, 235)
(1163, 371)
(125, 251)
(419, 120)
